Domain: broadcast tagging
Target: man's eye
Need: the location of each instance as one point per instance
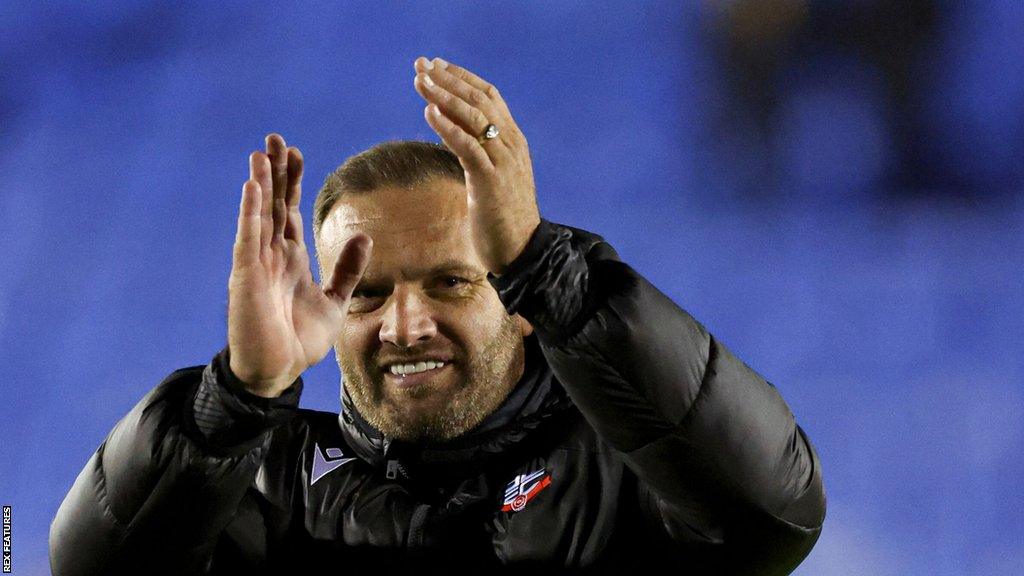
(453, 281)
(367, 293)
(360, 304)
(366, 300)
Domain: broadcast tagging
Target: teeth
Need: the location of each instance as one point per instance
(406, 369)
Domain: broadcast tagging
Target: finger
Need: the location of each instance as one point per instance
(423, 65)
(471, 154)
(510, 131)
(349, 268)
(469, 118)
(293, 229)
(247, 237)
(278, 154)
(476, 82)
(259, 171)
(469, 94)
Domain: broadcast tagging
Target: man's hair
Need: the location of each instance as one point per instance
(399, 163)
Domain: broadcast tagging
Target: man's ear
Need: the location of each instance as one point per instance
(525, 328)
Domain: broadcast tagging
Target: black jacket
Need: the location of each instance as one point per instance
(634, 440)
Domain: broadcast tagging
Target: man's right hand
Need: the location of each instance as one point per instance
(280, 321)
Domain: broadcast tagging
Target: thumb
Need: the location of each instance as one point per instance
(349, 268)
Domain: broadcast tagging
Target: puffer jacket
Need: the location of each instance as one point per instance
(635, 440)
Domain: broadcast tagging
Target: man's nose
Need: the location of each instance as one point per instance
(407, 321)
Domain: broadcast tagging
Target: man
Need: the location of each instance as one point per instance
(514, 395)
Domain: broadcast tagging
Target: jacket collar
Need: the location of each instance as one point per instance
(537, 396)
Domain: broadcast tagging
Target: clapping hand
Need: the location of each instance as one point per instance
(280, 321)
(461, 107)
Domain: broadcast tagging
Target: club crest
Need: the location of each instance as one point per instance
(523, 488)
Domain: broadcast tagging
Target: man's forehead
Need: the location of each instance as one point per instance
(402, 222)
(347, 218)
(439, 202)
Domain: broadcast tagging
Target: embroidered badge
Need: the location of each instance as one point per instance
(523, 488)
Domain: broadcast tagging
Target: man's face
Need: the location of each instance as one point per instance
(423, 300)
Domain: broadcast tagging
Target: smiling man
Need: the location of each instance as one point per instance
(514, 396)
(428, 349)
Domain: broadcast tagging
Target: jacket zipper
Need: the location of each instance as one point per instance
(394, 469)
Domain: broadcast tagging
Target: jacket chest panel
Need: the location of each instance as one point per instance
(561, 503)
(561, 507)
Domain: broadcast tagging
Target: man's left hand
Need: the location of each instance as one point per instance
(499, 175)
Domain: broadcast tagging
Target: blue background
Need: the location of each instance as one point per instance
(833, 189)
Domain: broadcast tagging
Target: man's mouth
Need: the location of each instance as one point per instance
(410, 375)
(407, 369)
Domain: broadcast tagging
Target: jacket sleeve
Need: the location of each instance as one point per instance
(161, 488)
(724, 469)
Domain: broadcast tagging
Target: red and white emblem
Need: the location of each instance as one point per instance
(523, 488)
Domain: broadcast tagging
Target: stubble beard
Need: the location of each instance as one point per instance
(487, 379)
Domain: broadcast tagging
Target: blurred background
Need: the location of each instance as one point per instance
(833, 188)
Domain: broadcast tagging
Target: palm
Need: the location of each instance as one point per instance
(279, 320)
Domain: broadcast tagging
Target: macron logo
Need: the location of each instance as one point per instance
(323, 465)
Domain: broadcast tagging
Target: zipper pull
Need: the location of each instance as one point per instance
(392, 470)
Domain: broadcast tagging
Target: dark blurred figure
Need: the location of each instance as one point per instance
(893, 142)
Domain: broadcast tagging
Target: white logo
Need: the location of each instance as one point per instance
(322, 466)
(523, 488)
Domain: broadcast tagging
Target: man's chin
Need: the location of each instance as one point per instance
(431, 419)
(410, 429)
(412, 415)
